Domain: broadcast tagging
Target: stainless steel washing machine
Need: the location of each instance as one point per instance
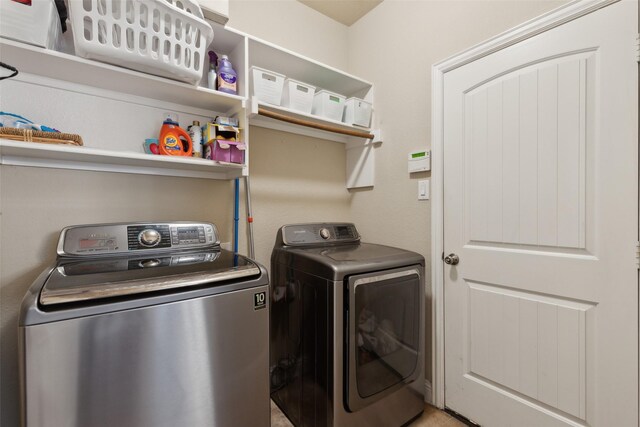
(347, 329)
(145, 325)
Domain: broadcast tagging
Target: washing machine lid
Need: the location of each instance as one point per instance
(74, 281)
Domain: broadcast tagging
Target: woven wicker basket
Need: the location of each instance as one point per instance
(28, 135)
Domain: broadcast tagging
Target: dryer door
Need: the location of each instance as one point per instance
(385, 326)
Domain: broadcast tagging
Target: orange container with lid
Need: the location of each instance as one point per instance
(174, 141)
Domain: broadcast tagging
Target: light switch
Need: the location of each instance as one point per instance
(423, 189)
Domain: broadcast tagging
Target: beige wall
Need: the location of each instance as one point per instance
(292, 25)
(394, 47)
(294, 179)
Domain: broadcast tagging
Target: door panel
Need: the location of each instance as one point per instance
(529, 344)
(540, 205)
(528, 172)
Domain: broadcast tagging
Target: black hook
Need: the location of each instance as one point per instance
(8, 67)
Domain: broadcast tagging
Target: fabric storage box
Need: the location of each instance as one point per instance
(357, 112)
(160, 37)
(222, 143)
(298, 96)
(37, 23)
(225, 151)
(329, 105)
(267, 85)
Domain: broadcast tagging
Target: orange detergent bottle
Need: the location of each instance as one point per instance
(174, 141)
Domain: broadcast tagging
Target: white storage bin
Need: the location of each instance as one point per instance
(160, 37)
(328, 104)
(298, 96)
(357, 112)
(267, 85)
(37, 24)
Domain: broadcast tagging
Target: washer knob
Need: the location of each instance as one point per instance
(149, 237)
(324, 233)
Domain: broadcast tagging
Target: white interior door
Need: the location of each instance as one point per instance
(541, 207)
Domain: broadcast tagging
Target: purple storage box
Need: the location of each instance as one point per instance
(226, 151)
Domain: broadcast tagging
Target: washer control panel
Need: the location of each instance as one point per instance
(122, 238)
(314, 234)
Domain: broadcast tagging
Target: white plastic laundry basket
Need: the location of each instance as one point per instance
(163, 37)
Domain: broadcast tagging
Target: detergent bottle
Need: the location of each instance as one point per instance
(195, 133)
(174, 141)
(227, 76)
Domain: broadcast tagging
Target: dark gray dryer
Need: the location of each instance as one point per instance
(347, 328)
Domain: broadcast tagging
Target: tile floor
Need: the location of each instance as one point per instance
(431, 417)
(277, 417)
(434, 417)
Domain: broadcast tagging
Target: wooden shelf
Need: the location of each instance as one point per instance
(260, 120)
(61, 66)
(91, 159)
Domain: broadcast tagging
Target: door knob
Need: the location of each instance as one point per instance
(451, 259)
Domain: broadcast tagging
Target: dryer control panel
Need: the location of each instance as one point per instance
(123, 238)
(318, 234)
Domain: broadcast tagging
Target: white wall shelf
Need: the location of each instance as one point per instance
(257, 119)
(74, 74)
(360, 151)
(61, 66)
(298, 67)
(33, 154)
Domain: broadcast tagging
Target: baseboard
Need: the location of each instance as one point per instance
(428, 392)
